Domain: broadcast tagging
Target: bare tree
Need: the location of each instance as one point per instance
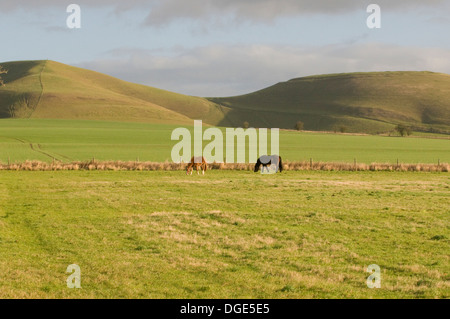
(2, 71)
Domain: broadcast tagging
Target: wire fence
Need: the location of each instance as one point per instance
(94, 165)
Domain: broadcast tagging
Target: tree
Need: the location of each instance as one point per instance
(403, 130)
(246, 125)
(299, 126)
(2, 71)
(400, 129)
(408, 130)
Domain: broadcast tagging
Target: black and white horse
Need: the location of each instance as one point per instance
(267, 160)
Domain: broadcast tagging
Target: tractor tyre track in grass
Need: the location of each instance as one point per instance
(38, 149)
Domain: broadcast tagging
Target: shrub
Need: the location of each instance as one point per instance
(342, 128)
(2, 71)
(299, 126)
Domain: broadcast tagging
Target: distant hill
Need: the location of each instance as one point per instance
(360, 102)
(47, 89)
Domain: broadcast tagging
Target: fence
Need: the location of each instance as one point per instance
(167, 166)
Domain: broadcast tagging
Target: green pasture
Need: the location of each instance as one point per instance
(70, 140)
(227, 234)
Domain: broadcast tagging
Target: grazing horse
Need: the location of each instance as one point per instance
(267, 160)
(197, 163)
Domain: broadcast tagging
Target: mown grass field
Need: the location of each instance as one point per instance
(224, 235)
(71, 140)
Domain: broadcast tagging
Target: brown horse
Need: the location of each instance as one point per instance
(197, 163)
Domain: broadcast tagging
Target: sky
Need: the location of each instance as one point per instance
(218, 48)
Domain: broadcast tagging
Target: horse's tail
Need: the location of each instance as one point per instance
(280, 164)
(204, 164)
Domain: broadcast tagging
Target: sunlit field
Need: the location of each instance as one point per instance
(228, 234)
(66, 141)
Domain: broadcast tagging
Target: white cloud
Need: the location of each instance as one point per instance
(231, 70)
(166, 11)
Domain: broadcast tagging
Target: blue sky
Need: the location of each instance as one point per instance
(228, 47)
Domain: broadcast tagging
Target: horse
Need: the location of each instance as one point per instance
(197, 163)
(267, 160)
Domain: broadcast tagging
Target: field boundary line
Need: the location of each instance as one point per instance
(95, 165)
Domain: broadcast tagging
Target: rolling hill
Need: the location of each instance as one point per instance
(360, 102)
(47, 89)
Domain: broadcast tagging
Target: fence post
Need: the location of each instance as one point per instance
(310, 163)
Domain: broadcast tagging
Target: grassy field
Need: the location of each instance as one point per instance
(69, 140)
(229, 234)
(224, 235)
